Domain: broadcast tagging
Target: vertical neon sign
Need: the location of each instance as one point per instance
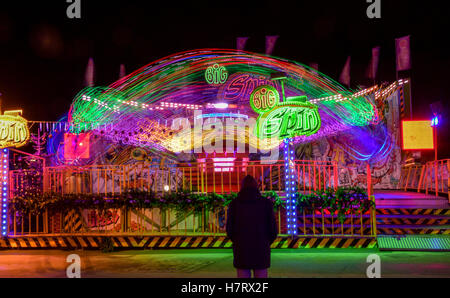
(4, 161)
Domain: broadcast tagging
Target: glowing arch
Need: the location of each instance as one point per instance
(139, 108)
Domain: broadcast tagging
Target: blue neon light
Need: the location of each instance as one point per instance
(4, 160)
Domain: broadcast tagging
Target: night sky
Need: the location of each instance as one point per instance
(43, 54)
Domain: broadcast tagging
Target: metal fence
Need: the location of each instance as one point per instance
(313, 222)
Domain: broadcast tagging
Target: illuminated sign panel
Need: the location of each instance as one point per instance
(289, 119)
(14, 131)
(417, 135)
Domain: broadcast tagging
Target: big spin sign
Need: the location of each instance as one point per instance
(291, 118)
(14, 131)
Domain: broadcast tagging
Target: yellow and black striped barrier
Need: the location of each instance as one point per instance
(167, 242)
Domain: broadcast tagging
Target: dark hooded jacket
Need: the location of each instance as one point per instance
(252, 228)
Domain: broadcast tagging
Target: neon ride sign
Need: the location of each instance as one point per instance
(14, 131)
(216, 74)
(294, 117)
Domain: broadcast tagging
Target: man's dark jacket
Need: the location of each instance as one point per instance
(252, 228)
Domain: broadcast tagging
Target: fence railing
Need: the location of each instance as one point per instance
(217, 176)
(433, 177)
(323, 222)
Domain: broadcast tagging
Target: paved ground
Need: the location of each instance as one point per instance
(409, 199)
(218, 263)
